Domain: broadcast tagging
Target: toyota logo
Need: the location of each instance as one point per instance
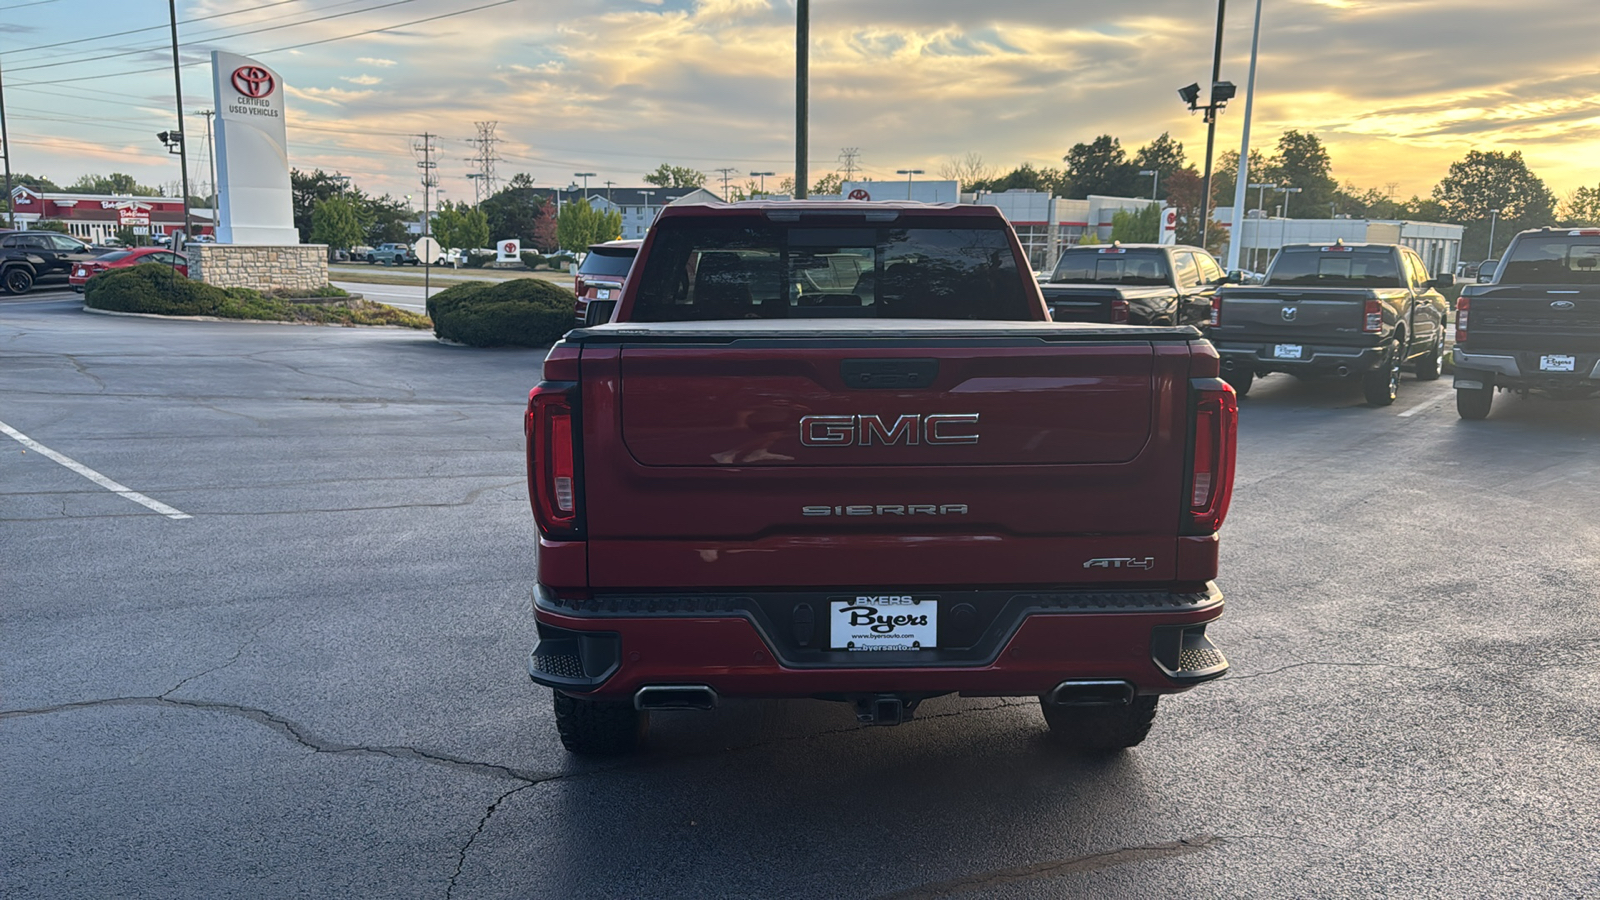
(253, 81)
(1289, 313)
(1563, 304)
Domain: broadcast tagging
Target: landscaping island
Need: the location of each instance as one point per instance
(157, 290)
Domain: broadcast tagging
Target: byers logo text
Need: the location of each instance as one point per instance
(869, 612)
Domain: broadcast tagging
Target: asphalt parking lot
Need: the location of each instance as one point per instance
(312, 684)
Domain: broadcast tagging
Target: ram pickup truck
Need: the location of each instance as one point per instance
(838, 451)
(1535, 326)
(1137, 284)
(1365, 310)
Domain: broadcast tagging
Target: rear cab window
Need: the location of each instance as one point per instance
(608, 261)
(754, 268)
(1364, 267)
(1113, 265)
(1561, 258)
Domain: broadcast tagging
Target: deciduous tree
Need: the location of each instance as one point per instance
(1582, 207)
(1492, 180)
(1099, 167)
(337, 223)
(669, 176)
(580, 225)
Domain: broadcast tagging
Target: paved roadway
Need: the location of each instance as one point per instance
(314, 686)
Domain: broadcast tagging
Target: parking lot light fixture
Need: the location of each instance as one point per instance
(1494, 214)
(908, 173)
(585, 176)
(763, 177)
(1155, 180)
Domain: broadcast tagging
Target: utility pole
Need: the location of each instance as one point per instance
(847, 162)
(183, 145)
(802, 86)
(429, 180)
(5, 151)
(727, 172)
(608, 190)
(484, 183)
(211, 162)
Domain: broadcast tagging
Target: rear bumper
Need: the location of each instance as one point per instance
(1262, 357)
(611, 647)
(1520, 370)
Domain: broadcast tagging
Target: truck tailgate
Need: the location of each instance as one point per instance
(1290, 314)
(1551, 318)
(1007, 454)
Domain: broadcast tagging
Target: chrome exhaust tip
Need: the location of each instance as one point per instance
(1091, 693)
(675, 696)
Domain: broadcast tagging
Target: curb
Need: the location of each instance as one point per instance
(134, 315)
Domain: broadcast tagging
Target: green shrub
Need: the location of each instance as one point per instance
(521, 312)
(159, 290)
(532, 260)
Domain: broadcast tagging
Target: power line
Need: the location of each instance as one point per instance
(208, 38)
(342, 37)
(727, 172)
(847, 162)
(100, 37)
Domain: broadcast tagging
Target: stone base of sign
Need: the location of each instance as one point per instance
(262, 268)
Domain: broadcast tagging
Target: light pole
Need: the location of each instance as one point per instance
(908, 173)
(1221, 93)
(763, 177)
(183, 149)
(5, 151)
(1155, 180)
(1261, 204)
(1285, 190)
(1242, 180)
(1494, 215)
(802, 91)
(585, 176)
(647, 218)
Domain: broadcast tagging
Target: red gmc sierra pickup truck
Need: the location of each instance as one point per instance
(840, 451)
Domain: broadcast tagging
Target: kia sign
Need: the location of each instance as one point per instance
(508, 251)
(254, 203)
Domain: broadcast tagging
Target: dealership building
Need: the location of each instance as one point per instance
(96, 217)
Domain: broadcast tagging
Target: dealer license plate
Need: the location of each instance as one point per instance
(602, 295)
(1287, 351)
(883, 622)
(1558, 363)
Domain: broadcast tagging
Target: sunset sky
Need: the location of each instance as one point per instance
(1396, 89)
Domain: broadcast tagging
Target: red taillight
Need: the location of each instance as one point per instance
(1461, 319)
(578, 287)
(1372, 323)
(553, 458)
(1119, 311)
(1216, 311)
(1216, 430)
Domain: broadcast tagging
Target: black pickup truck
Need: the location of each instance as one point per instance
(1535, 326)
(1335, 309)
(1137, 284)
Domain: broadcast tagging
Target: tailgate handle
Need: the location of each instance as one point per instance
(888, 374)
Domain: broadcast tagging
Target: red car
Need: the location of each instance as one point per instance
(603, 274)
(82, 272)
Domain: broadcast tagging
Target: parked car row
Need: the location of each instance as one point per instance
(30, 257)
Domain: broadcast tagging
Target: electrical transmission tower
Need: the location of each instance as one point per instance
(426, 148)
(726, 174)
(484, 183)
(848, 162)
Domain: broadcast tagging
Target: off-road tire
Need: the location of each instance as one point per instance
(1100, 729)
(598, 727)
(1474, 403)
(1382, 384)
(1241, 379)
(15, 280)
(1431, 366)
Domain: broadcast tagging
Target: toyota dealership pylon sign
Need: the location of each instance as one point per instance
(254, 202)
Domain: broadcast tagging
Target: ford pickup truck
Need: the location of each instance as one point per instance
(1364, 310)
(838, 451)
(1137, 284)
(1535, 326)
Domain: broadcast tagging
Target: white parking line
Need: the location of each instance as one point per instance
(92, 475)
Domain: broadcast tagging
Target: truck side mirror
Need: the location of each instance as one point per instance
(1443, 281)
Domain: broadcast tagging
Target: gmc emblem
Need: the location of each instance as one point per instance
(911, 429)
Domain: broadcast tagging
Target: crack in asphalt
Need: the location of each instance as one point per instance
(1346, 664)
(255, 634)
(461, 855)
(258, 357)
(298, 733)
(985, 881)
(84, 371)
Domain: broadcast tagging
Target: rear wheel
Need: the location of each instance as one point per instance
(1382, 385)
(1431, 366)
(598, 727)
(1241, 379)
(1474, 403)
(16, 280)
(1100, 729)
